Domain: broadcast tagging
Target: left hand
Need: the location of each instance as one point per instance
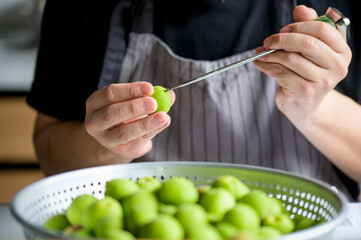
(312, 58)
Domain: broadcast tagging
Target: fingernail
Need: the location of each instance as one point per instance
(158, 118)
(285, 30)
(148, 104)
(267, 42)
(145, 90)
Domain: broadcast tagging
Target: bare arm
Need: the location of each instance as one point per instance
(119, 126)
(314, 60)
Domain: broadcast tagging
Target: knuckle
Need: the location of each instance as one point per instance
(89, 126)
(108, 115)
(121, 135)
(146, 126)
(109, 93)
(324, 29)
(310, 43)
(132, 108)
(278, 70)
(327, 83)
(307, 89)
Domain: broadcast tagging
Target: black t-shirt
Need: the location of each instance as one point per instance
(74, 37)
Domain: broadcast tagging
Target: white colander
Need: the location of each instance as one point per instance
(308, 198)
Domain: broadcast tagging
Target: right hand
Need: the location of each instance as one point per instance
(120, 118)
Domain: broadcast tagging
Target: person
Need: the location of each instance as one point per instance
(296, 109)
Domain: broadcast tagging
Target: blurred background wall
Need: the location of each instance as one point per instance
(19, 37)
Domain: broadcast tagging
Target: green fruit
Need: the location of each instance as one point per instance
(217, 202)
(119, 234)
(243, 217)
(149, 183)
(304, 223)
(203, 232)
(167, 209)
(275, 206)
(57, 222)
(266, 232)
(120, 188)
(178, 190)
(75, 211)
(105, 225)
(203, 189)
(163, 99)
(81, 233)
(140, 209)
(164, 227)
(232, 184)
(226, 230)
(280, 221)
(191, 215)
(258, 200)
(104, 208)
(245, 235)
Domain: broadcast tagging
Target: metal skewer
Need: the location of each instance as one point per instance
(223, 69)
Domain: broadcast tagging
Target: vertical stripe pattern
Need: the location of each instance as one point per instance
(229, 118)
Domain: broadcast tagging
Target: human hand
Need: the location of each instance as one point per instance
(120, 118)
(312, 58)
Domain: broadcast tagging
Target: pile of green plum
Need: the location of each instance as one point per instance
(176, 209)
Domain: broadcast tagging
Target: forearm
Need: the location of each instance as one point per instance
(65, 146)
(334, 128)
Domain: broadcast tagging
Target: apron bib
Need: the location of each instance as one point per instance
(229, 118)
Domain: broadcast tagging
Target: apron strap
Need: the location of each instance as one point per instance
(128, 16)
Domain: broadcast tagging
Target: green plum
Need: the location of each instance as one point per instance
(178, 190)
(164, 227)
(140, 209)
(245, 235)
(267, 232)
(304, 223)
(280, 221)
(227, 230)
(102, 228)
(191, 215)
(163, 99)
(258, 200)
(203, 232)
(119, 234)
(81, 233)
(106, 207)
(232, 184)
(203, 189)
(275, 206)
(120, 188)
(57, 222)
(217, 202)
(76, 209)
(149, 183)
(243, 217)
(167, 209)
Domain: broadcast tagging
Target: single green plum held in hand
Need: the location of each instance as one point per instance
(163, 99)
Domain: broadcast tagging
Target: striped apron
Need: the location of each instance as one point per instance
(228, 118)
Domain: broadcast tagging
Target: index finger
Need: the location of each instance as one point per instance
(116, 93)
(320, 30)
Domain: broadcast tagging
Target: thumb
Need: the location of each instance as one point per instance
(302, 13)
